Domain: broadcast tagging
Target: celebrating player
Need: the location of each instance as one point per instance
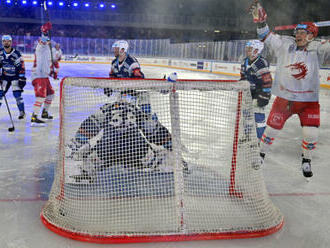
(57, 55)
(40, 78)
(255, 69)
(13, 73)
(130, 138)
(296, 84)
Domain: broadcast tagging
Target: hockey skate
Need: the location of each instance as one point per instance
(259, 162)
(21, 115)
(46, 115)
(306, 168)
(83, 178)
(35, 122)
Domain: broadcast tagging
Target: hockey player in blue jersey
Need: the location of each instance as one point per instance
(126, 66)
(12, 73)
(126, 136)
(255, 69)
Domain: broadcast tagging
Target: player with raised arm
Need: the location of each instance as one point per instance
(57, 56)
(255, 69)
(296, 84)
(129, 138)
(40, 78)
(13, 73)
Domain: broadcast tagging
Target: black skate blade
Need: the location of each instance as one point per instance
(34, 124)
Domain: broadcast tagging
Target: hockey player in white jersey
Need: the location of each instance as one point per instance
(255, 69)
(296, 84)
(57, 56)
(41, 70)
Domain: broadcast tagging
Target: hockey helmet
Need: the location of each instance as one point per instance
(121, 44)
(257, 46)
(310, 27)
(6, 37)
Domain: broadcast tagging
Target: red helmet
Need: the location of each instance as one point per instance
(309, 27)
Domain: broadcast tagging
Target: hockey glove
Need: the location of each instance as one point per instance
(46, 27)
(263, 98)
(258, 12)
(22, 82)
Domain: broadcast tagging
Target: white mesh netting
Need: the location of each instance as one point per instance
(143, 160)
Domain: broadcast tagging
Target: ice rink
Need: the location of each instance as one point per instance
(27, 162)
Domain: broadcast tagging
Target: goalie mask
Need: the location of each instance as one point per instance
(120, 47)
(122, 117)
(253, 48)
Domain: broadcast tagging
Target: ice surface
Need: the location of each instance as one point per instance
(27, 162)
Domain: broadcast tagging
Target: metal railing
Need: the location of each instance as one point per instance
(232, 51)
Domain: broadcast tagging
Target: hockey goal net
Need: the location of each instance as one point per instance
(151, 160)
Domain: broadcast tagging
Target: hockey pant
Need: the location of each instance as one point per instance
(17, 92)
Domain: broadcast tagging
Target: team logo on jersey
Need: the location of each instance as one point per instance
(276, 120)
(300, 70)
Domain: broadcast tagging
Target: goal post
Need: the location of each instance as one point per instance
(150, 160)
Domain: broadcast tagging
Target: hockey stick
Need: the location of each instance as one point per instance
(11, 129)
(50, 37)
(293, 26)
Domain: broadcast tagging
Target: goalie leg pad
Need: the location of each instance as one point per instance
(157, 159)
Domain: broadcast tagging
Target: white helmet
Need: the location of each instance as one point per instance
(256, 45)
(122, 44)
(6, 37)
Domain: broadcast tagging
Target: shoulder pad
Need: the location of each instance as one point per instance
(131, 58)
(313, 45)
(18, 53)
(113, 61)
(261, 63)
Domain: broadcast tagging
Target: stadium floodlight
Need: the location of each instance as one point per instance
(24, 2)
(113, 6)
(8, 1)
(34, 2)
(86, 5)
(101, 5)
(50, 3)
(61, 4)
(75, 4)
